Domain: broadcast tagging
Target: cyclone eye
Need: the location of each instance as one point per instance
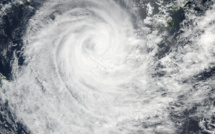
(88, 45)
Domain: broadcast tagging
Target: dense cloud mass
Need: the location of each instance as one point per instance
(111, 67)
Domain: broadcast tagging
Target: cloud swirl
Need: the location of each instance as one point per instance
(90, 68)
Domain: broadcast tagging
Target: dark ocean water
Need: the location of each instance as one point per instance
(13, 23)
(13, 26)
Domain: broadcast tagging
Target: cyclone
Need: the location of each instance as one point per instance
(91, 67)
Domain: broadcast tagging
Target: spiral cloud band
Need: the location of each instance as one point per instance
(90, 69)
